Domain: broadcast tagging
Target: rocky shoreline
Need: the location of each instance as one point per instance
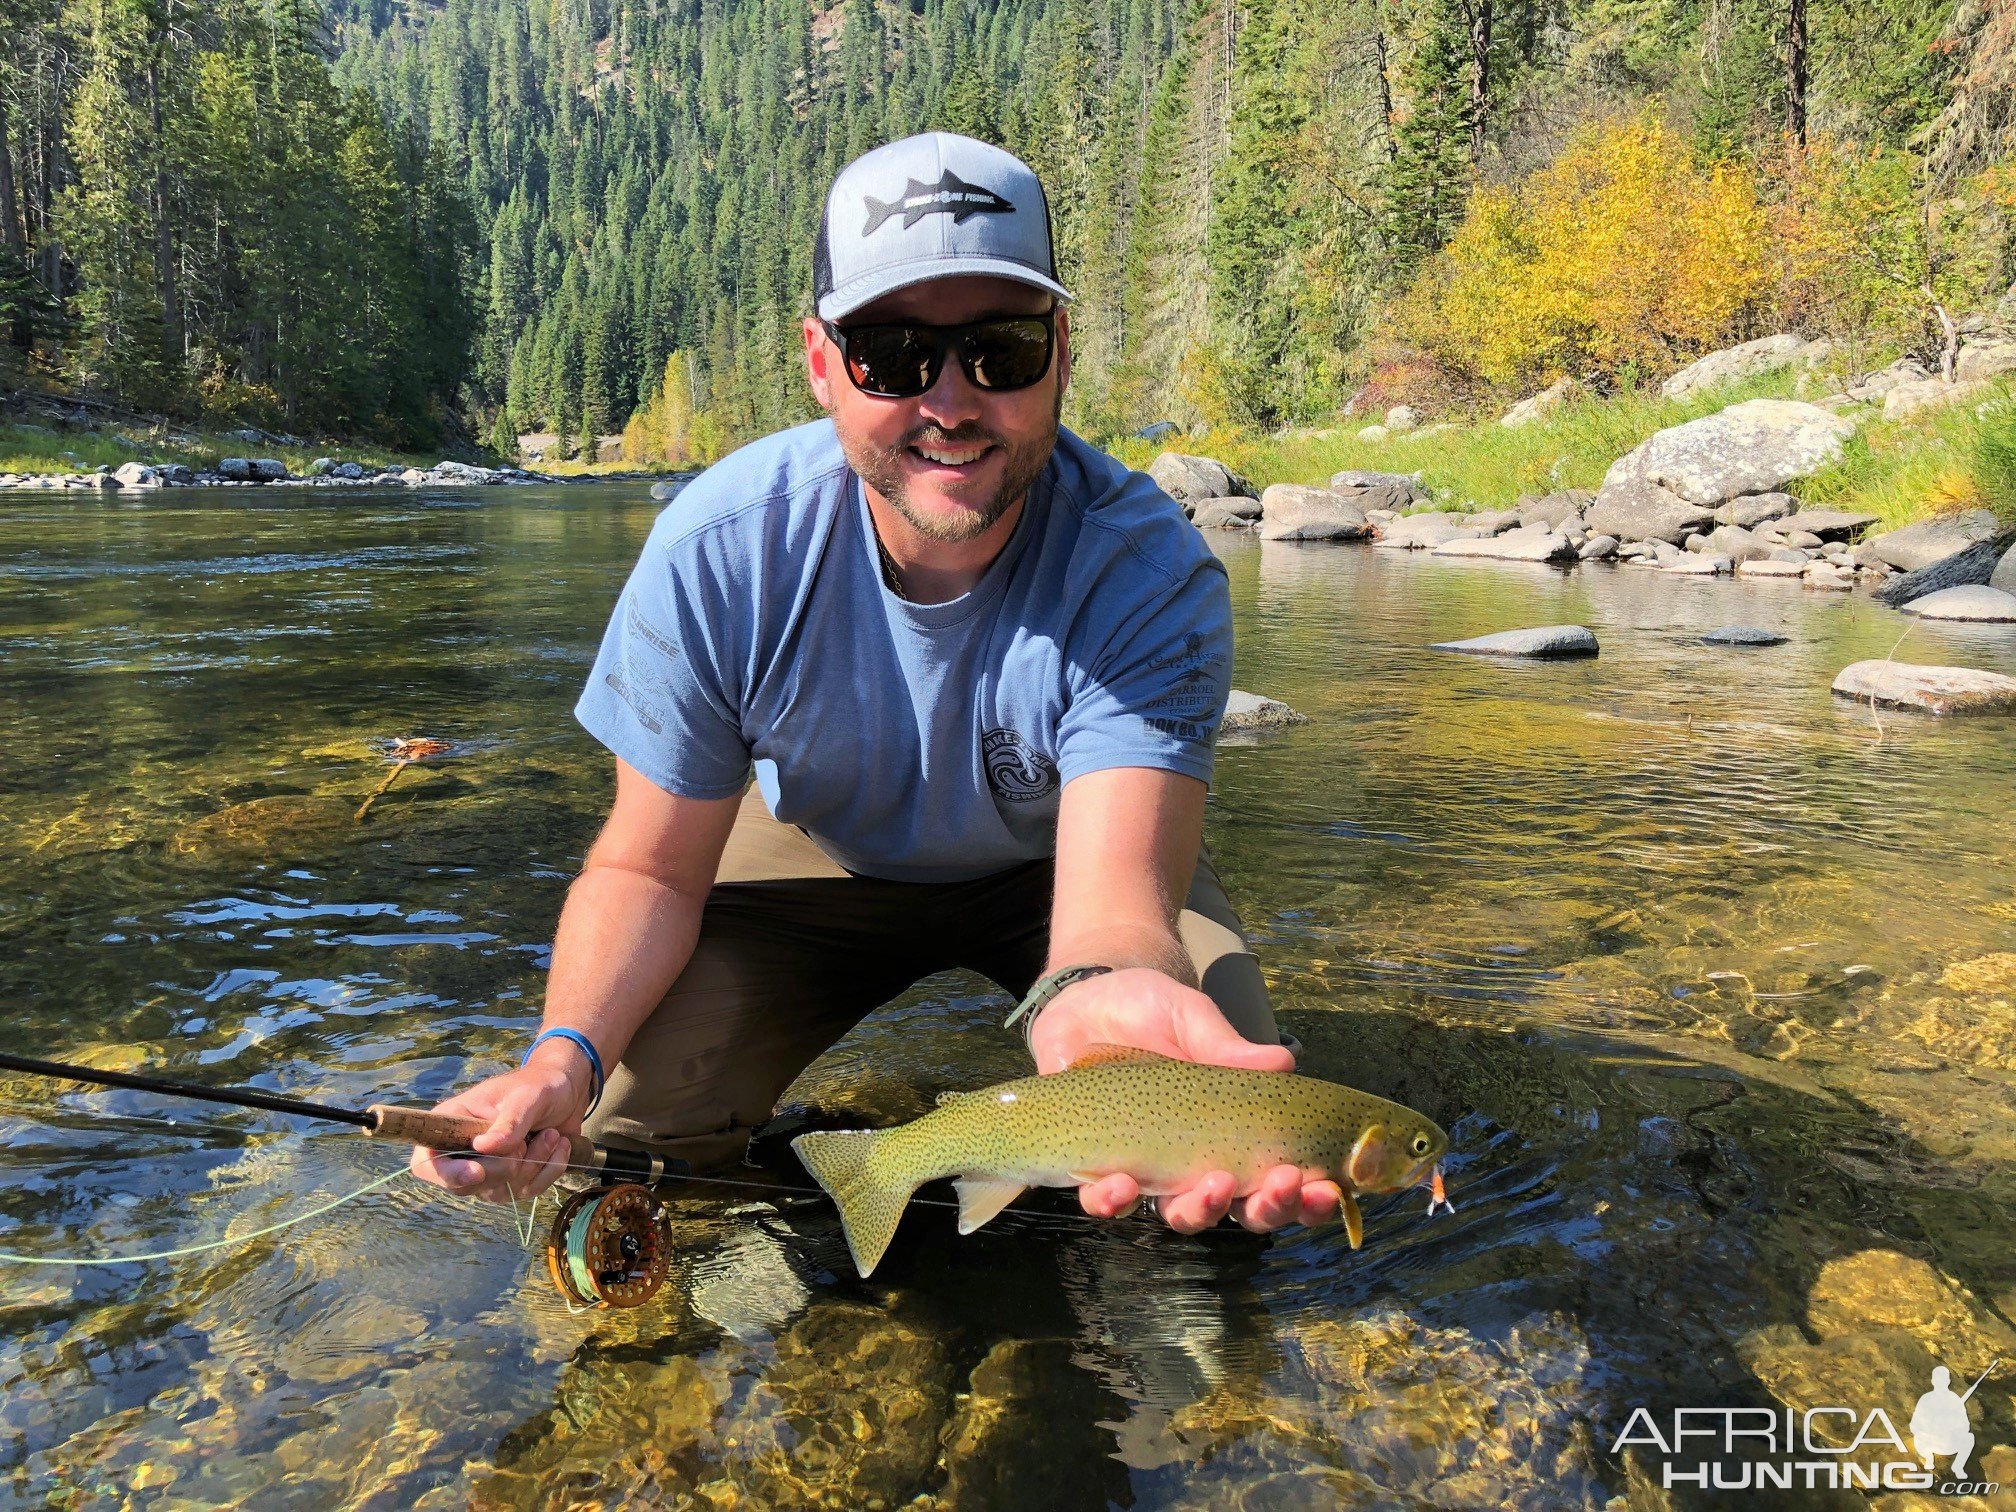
(246, 472)
(1710, 497)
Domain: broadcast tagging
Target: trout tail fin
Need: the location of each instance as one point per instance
(868, 1186)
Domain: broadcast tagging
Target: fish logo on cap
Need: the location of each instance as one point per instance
(951, 195)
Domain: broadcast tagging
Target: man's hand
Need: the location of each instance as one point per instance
(542, 1100)
(1148, 1010)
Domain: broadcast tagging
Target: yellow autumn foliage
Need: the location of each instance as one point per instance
(1623, 254)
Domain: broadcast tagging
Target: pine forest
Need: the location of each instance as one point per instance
(469, 221)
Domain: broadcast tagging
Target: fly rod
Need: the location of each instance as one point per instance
(416, 1126)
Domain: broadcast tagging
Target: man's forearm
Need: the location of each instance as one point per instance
(623, 939)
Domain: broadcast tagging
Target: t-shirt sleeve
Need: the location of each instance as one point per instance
(658, 696)
(1153, 695)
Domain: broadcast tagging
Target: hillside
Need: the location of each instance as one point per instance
(493, 217)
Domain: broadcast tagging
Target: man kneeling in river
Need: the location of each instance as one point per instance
(977, 666)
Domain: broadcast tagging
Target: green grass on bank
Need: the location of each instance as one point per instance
(32, 447)
(1899, 470)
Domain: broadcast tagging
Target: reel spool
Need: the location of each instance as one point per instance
(607, 1247)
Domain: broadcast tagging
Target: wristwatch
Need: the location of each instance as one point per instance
(1046, 988)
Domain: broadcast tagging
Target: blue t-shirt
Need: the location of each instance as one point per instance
(916, 742)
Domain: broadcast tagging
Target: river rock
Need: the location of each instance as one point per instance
(235, 470)
(1597, 549)
(1987, 358)
(1771, 567)
(1872, 386)
(1767, 354)
(1191, 480)
(1700, 564)
(1750, 448)
(1543, 641)
(321, 467)
(1401, 418)
(178, 473)
(1908, 399)
(1491, 521)
(1928, 541)
(268, 470)
(1752, 510)
(1979, 603)
(1554, 509)
(1533, 406)
(1356, 480)
(1424, 532)
(1737, 544)
(1635, 510)
(349, 471)
(1742, 635)
(2004, 575)
(1828, 577)
(1827, 524)
(1935, 690)
(1291, 512)
(1221, 513)
(1373, 433)
(1516, 546)
(1975, 564)
(1249, 711)
(665, 490)
(136, 475)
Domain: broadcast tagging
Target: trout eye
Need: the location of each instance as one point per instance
(1420, 1144)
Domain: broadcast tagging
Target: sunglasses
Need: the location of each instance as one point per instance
(903, 361)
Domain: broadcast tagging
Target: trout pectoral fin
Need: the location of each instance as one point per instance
(1354, 1221)
(981, 1197)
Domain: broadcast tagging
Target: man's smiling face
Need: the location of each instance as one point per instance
(953, 460)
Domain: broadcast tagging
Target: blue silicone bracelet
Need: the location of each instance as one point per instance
(576, 1037)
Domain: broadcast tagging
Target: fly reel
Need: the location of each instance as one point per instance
(608, 1246)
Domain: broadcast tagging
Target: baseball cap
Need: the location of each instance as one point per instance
(936, 205)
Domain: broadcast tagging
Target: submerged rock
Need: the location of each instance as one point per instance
(1249, 711)
(1743, 635)
(1978, 603)
(1545, 640)
(1771, 568)
(1935, 690)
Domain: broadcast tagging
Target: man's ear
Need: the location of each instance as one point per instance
(816, 371)
(1063, 349)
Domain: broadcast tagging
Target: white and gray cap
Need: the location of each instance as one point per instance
(935, 205)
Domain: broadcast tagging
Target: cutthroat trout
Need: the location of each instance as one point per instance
(1164, 1122)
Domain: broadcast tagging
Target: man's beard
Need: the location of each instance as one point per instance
(883, 470)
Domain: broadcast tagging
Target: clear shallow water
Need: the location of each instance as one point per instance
(1713, 980)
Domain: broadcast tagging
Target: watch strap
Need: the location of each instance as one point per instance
(1047, 987)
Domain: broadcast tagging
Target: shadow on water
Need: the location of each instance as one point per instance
(1713, 983)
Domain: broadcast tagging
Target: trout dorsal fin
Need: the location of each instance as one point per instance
(1107, 1055)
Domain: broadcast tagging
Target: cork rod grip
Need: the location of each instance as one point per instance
(437, 1131)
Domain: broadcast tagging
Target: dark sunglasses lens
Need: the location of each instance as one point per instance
(893, 360)
(1006, 354)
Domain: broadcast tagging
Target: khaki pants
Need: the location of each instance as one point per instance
(794, 950)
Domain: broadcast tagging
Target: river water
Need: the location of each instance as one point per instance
(1711, 977)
